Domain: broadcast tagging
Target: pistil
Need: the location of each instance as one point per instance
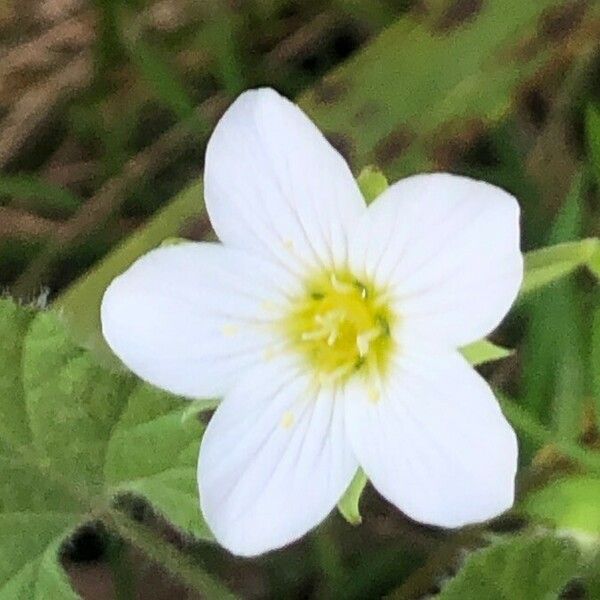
(341, 325)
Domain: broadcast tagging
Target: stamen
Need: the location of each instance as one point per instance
(340, 286)
(316, 334)
(342, 326)
(374, 390)
(381, 300)
(362, 289)
(333, 336)
(331, 317)
(363, 340)
(336, 374)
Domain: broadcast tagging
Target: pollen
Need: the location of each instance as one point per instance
(341, 326)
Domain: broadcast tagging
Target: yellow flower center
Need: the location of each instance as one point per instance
(342, 326)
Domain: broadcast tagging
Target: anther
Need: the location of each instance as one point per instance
(362, 289)
(363, 340)
(317, 334)
(331, 318)
(339, 286)
(336, 374)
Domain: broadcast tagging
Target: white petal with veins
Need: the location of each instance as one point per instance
(274, 185)
(191, 317)
(447, 247)
(274, 460)
(435, 442)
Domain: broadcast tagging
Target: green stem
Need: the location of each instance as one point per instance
(167, 555)
(328, 559)
(120, 567)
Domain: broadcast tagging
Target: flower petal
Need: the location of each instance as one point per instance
(275, 185)
(191, 317)
(447, 247)
(435, 443)
(274, 460)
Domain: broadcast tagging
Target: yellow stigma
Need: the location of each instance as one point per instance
(341, 326)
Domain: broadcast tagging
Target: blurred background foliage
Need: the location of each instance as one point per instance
(105, 108)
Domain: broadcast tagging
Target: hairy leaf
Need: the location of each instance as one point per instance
(570, 504)
(536, 568)
(74, 437)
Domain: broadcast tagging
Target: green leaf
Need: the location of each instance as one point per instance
(153, 451)
(372, 182)
(570, 504)
(14, 321)
(549, 264)
(484, 351)
(592, 123)
(556, 261)
(221, 35)
(556, 344)
(593, 263)
(160, 76)
(75, 436)
(348, 505)
(30, 543)
(48, 199)
(595, 360)
(528, 568)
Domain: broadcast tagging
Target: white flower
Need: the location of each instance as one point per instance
(330, 330)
